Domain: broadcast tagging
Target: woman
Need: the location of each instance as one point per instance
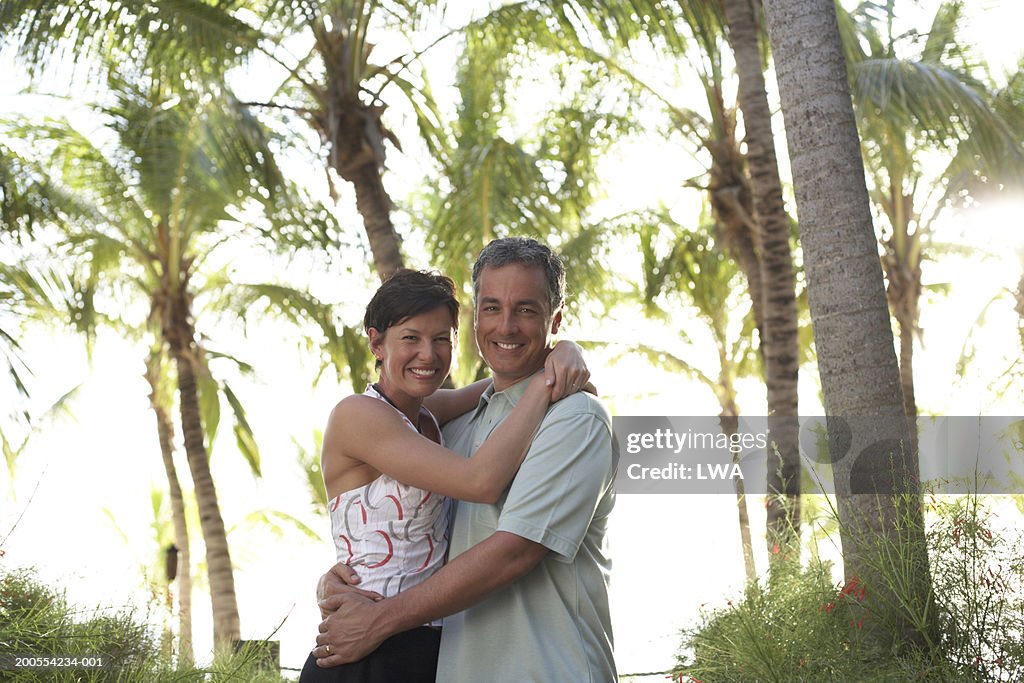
(388, 479)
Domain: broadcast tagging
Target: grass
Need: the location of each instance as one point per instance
(37, 621)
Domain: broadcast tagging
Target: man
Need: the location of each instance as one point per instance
(524, 591)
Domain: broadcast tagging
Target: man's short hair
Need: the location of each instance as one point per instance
(528, 252)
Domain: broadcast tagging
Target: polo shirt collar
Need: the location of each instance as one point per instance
(512, 394)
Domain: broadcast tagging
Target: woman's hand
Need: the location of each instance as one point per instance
(564, 370)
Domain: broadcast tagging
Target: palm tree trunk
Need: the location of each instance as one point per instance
(780, 344)
(356, 136)
(730, 425)
(742, 247)
(374, 205)
(165, 431)
(181, 341)
(728, 418)
(904, 294)
(733, 208)
(907, 369)
(876, 474)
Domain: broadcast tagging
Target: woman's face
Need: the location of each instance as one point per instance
(415, 354)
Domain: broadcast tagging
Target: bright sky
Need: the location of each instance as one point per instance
(672, 554)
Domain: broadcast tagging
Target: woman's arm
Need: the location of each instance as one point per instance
(564, 368)
(370, 431)
(448, 404)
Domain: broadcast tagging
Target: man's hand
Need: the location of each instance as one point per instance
(347, 633)
(340, 580)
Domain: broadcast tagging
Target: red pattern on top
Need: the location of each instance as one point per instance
(391, 552)
(393, 534)
(401, 513)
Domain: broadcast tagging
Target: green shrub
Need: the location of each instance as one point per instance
(803, 627)
(36, 621)
(978, 577)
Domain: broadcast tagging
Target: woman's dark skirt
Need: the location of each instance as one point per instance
(407, 657)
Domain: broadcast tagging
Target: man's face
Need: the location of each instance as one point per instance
(513, 321)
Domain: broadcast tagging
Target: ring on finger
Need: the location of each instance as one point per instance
(327, 649)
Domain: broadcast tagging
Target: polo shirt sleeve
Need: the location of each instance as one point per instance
(566, 472)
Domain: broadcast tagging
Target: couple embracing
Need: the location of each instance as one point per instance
(483, 509)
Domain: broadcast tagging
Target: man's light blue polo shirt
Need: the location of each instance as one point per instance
(552, 625)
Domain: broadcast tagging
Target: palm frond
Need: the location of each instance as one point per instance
(194, 36)
(209, 406)
(850, 33)
(309, 461)
(278, 522)
(243, 367)
(295, 305)
(428, 117)
(243, 431)
(93, 178)
(357, 353)
(670, 361)
(943, 32)
(17, 369)
(947, 106)
(32, 196)
(345, 346)
(296, 222)
(282, 17)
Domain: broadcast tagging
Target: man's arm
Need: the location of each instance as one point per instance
(358, 624)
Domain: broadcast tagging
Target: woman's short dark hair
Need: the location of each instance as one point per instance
(408, 293)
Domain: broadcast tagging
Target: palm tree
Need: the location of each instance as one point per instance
(13, 292)
(309, 461)
(336, 77)
(876, 474)
(161, 401)
(697, 271)
(31, 292)
(36, 294)
(154, 569)
(728, 182)
(1010, 377)
(25, 198)
(780, 340)
(159, 195)
(916, 94)
(742, 230)
(333, 84)
(541, 184)
(344, 347)
(344, 92)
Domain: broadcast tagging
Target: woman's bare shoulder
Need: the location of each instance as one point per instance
(362, 410)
